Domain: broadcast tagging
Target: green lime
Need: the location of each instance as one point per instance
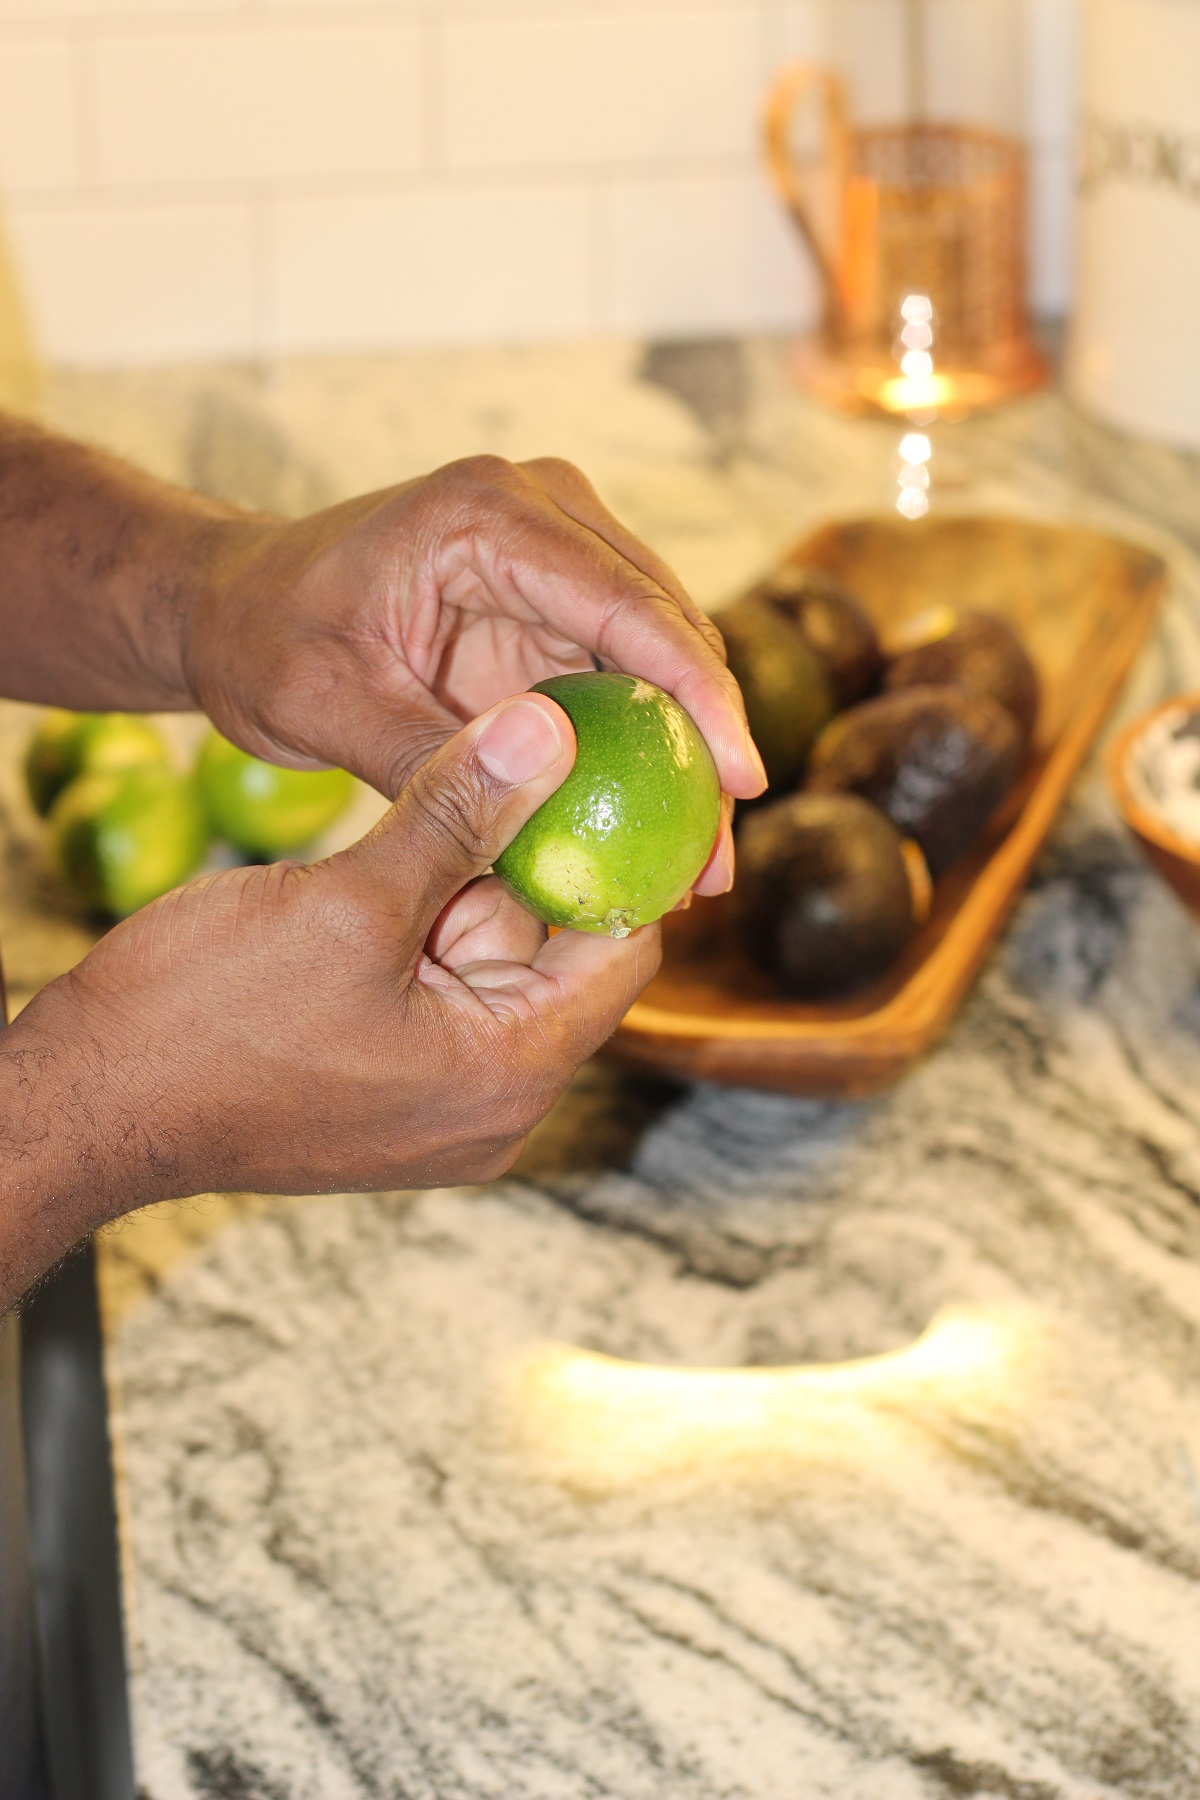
(122, 839)
(633, 824)
(263, 809)
(46, 757)
(68, 744)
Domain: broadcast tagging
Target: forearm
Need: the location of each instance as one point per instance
(100, 566)
(73, 1139)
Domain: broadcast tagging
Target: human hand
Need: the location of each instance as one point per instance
(366, 634)
(389, 1017)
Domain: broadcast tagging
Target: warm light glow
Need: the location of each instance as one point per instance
(916, 390)
(913, 475)
(917, 336)
(904, 395)
(917, 365)
(915, 447)
(912, 503)
(916, 309)
(601, 1419)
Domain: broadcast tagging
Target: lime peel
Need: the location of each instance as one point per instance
(631, 827)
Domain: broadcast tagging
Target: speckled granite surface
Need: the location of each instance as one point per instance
(392, 1532)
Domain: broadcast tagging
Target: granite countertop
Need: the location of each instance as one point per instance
(394, 1529)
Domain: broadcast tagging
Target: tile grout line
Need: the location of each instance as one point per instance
(437, 181)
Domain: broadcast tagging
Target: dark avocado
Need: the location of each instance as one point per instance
(833, 623)
(975, 650)
(788, 697)
(937, 760)
(822, 898)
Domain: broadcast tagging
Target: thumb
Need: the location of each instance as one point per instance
(465, 805)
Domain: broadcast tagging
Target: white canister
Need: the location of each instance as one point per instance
(1134, 347)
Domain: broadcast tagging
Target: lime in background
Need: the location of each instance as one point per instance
(122, 839)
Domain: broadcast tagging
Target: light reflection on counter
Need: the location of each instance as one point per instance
(912, 474)
(597, 1418)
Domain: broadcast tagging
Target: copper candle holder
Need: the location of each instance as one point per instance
(917, 231)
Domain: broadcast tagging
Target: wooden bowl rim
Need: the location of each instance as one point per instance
(1140, 818)
(863, 1052)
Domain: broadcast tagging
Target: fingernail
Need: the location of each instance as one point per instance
(758, 761)
(519, 743)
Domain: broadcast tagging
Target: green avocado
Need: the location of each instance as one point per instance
(936, 760)
(788, 695)
(823, 899)
(834, 624)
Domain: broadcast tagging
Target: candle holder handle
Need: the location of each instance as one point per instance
(796, 83)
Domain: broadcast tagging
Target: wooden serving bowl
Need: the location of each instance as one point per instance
(1176, 858)
(1083, 602)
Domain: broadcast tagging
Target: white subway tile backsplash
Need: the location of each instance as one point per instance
(118, 283)
(212, 177)
(248, 102)
(706, 253)
(371, 270)
(37, 115)
(651, 84)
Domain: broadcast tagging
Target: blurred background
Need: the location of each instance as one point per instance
(217, 179)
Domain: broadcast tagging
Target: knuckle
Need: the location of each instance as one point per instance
(559, 470)
(422, 738)
(290, 893)
(483, 470)
(712, 636)
(454, 808)
(644, 590)
(310, 909)
(286, 882)
(632, 589)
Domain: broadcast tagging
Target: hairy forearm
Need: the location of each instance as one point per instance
(40, 1208)
(100, 566)
(73, 1138)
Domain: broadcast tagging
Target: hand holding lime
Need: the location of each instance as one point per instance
(267, 811)
(631, 827)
